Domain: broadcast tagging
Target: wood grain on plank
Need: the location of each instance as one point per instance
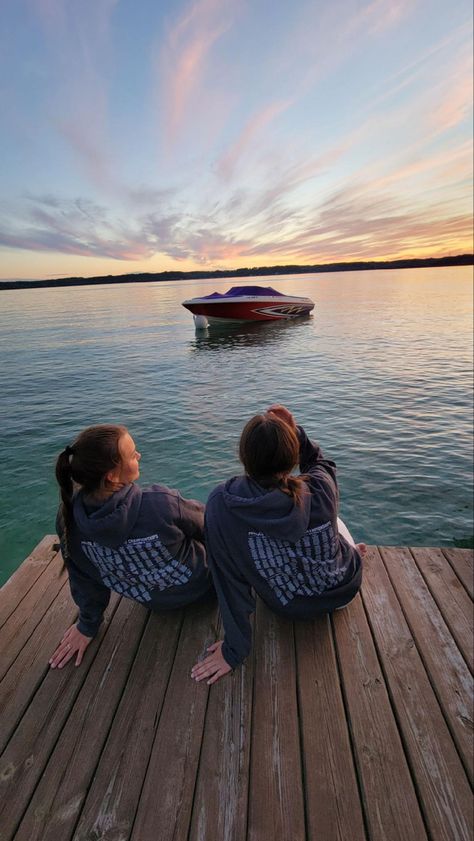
(333, 805)
(220, 798)
(30, 667)
(450, 596)
(19, 584)
(22, 622)
(164, 810)
(276, 800)
(55, 806)
(389, 798)
(461, 561)
(112, 800)
(440, 779)
(28, 751)
(447, 669)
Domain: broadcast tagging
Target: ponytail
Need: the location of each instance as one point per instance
(66, 487)
(294, 486)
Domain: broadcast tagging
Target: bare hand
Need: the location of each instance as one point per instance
(283, 413)
(213, 667)
(72, 642)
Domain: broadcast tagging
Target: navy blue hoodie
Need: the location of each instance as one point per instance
(147, 544)
(291, 555)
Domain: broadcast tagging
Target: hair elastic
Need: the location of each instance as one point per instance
(69, 450)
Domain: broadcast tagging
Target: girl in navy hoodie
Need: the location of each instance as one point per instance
(277, 535)
(147, 544)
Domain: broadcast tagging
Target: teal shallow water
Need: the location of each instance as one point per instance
(381, 375)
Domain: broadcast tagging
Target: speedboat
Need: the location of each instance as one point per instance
(249, 303)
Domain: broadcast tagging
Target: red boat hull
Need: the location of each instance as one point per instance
(256, 310)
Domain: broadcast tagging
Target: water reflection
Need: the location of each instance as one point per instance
(247, 334)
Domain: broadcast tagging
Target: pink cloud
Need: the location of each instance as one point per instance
(185, 58)
(79, 38)
(455, 103)
(380, 15)
(254, 126)
(456, 160)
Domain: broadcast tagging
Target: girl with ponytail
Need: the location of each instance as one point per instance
(145, 543)
(277, 535)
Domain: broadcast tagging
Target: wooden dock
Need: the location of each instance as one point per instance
(355, 727)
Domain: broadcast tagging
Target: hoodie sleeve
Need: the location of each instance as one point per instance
(191, 514)
(234, 594)
(91, 596)
(312, 461)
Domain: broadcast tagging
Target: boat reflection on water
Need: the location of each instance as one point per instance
(247, 334)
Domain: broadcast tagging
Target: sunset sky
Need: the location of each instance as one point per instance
(147, 135)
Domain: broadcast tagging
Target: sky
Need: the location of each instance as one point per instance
(148, 135)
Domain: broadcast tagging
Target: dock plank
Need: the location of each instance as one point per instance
(175, 753)
(23, 579)
(28, 670)
(446, 668)
(461, 561)
(276, 803)
(112, 800)
(388, 795)
(221, 794)
(331, 792)
(450, 596)
(23, 620)
(439, 776)
(55, 806)
(29, 749)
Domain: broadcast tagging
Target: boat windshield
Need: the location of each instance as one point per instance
(243, 291)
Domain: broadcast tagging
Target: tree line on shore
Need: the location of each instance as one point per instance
(148, 277)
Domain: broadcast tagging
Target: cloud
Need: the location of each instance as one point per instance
(415, 168)
(254, 126)
(85, 228)
(351, 223)
(81, 62)
(455, 97)
(184, 60)
(350, 226)
(381, 15)
(323, 37)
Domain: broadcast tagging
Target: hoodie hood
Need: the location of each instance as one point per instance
(270, 511)
(112, 522)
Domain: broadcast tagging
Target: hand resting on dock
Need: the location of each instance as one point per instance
(73, 642)
(213, 667)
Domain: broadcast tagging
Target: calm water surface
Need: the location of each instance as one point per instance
(381, 375)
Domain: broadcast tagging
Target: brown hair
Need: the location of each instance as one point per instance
(86, 462)
(269, 449)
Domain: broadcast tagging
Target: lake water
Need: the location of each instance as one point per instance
(381, 375)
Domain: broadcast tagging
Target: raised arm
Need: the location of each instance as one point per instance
(311, 460)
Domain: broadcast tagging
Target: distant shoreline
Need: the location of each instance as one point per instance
(153, 277)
